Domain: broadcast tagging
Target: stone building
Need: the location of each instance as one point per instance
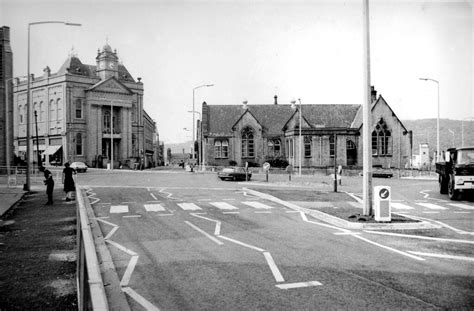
(88, 113)
(6, 103)
(259, 133)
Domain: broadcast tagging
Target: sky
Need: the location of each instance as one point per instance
(252, 50)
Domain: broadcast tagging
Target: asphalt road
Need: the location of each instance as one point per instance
(184, 241)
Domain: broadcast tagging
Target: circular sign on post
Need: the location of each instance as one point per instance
(384, 193)
(266, 166)
(289, 169)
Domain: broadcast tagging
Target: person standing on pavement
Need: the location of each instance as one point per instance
(49, 182)
(68, 181)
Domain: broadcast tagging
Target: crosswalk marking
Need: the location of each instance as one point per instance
(118, 209)
(154, 208)
(223, 205)
(397, 205)
(189, 206)
(431, 206)
(461, 205)
(257, 205)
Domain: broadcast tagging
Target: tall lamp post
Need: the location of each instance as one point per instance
(28, 108)
(201, 158)
(293, 105)
(194, 89)
(437, 122)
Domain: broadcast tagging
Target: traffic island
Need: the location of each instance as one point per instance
(338, 209)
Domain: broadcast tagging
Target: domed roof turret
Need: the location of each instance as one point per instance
(107, 48)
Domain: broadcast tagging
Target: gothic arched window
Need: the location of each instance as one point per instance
(248, 150)
(381, 139)
(274, 147)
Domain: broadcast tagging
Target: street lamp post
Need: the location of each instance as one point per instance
(28, 108)
(200, 141)
(293, 103)
(194, 89)
(437, 122)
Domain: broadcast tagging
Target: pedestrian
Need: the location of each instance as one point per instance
(68, 181)
(49, 182)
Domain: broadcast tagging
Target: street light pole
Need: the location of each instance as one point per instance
(437, 120)
(194, 89)
(293, 105)
(200, 140)
(28, 108)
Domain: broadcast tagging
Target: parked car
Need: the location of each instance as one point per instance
(79, 166)
(234, 173)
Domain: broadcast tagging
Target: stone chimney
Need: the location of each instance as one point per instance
(46, 72)
(244, 104)
(373, 94)
(276, 100)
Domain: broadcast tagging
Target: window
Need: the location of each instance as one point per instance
(35, 111)
(248, 143)
(107, 121)
(381, 139)
(52, 110)
(274, 147)
(59, 110)
(221, 149)
(79, 144)
(350, 145)
(78, 107)
(41, 112)
(332, 145)
(307, 146)
(20, 114)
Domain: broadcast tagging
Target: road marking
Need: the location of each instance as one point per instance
(355, 204)
(104, 203)
(228, 199)
(241, 243)
(273, 267)
(164, 215)
(118, 209)
(401, 206)
(142, 301)
(132, 216)
(430, 212)
(230, 212)
(298, 285)
(262, 212)
(432, 206)
(154, 208)
(346, 233)
(204, 199)
(128, 272)
(292, 211)
(217, 230)
(463, 206)
(128, 202)
(154, 197)
(420, 237)
(388, 248)
(462, 212)
(189, 206)
(122, 248)
(109, 235)
(257, 205)
(223, 205)
(443, 256)
(217, 241)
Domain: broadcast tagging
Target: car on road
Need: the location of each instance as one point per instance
(234, 173)
(79, 166)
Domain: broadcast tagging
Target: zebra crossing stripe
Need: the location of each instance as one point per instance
(154, 208)
(397, 205)
(257, 205)
(461, 205)
(189, 206)
(118, 209)
(431, 206)
(223, 205)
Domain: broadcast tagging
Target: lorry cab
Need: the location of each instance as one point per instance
(456, 174)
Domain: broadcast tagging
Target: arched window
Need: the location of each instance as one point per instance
(79, 144)
(41, 112)
(59, 109)
(78, 108)
(307, 146)
(221, 149)
(52, 110)
(20, 114)
(350, 145)
(274, 147)
(248, 143)
(381, 139)
(35, 109)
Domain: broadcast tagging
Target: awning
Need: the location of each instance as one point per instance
(41, 148)
(52, 149)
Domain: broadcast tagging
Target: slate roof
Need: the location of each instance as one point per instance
(74, 66)
(274, 117)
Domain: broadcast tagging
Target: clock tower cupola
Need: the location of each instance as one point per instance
(107, 63)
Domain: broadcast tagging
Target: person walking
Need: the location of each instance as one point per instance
(49, 182)
(68, 181)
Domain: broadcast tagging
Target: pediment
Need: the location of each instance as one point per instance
(110, 85)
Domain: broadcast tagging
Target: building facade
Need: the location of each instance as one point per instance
(259, 133)
(6, 95)
(88, 113)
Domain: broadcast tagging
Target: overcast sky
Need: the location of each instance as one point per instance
(253, 50)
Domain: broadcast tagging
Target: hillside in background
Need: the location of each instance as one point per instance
(424, 131)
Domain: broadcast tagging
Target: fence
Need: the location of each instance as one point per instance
(90, 288)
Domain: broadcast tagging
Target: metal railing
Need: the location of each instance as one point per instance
(90, 287)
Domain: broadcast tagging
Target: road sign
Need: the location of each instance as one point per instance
(266, 166)
(384, 193)
(289, 169)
